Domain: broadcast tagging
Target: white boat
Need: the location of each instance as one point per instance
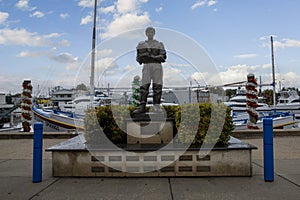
(238, 103)
(289, 101)
(280, 120)
(58, 121)
(81, 103)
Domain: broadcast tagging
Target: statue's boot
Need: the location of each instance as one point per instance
(144, 91)
(140, 109)
(157, 93)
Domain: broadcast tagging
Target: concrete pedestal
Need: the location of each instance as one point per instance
(72, 158)
(150, 128)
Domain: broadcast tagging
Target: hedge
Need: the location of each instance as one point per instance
(195, 123)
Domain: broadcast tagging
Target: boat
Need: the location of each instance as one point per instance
(238, 103)
(289, 101)
(81, 103)
(280, 113)
(281, 120)
(58, 121)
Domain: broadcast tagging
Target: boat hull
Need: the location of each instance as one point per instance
(56, 123)
(279, 122)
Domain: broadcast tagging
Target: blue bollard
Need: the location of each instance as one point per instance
(268, 150)
(37, 152)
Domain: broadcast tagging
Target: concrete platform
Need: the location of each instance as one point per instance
(16, 167)
(73, 158)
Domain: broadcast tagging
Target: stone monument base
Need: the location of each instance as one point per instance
(150, 128)
(72, 159)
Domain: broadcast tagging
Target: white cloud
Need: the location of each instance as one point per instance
(290, 79)
(105, 64)
(86, 3)
(104, 53)
(33, 54)
(126, 22)
(86, 20)
(11, 83)
(266, 66)
(201, 3)
(24, 5)
(3, 17)
(233, 74)
(108, 9)
(159, 9)
(173, 77)
(37, 14)
(199, 76)
(65, 58)
(23, 37)
(277, 43)
(198, 4)
(63, 43)
(127, 15)
(176, 64)
(286, 43)
(127, 6)
(72, 67)
(129, 68)
(246, 56)
(64, 15)
(211, 2)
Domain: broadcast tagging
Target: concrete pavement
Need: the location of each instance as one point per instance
(16, 176)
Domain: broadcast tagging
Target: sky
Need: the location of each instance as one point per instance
(208, 42)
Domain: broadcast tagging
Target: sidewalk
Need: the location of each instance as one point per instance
(16, 176)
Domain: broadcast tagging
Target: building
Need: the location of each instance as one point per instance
(60, 97)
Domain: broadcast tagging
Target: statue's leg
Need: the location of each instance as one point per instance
(144, 89)
(157, 78)
(157, 93)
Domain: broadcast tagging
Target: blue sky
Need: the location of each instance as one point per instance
(49, 41)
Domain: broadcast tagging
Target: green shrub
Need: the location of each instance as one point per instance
(195, 123)
(203, 123)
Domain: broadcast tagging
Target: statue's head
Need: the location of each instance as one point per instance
(150, 30)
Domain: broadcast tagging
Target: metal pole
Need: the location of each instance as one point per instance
(273, 75)
(268, 150)
(37, 152)
(92, 85)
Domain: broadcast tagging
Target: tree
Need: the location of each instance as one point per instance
(268, 95)
(230, 92)
(81, 87)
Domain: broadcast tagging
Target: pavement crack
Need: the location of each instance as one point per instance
(6, 160)
(170, 187)
(281, 176)
(48, 186)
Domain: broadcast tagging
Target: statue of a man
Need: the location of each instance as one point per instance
(151, 53)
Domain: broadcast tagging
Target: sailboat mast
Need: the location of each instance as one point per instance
(273, 74)
(92, 78)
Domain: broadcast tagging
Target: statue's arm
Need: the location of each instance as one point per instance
(138, 54)
(162, 56)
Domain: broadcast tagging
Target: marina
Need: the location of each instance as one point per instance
(71, 114)
(139, 99)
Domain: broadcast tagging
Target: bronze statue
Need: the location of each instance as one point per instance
(151, 53)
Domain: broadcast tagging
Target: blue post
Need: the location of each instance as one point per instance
(268, 150)
(37, 152)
